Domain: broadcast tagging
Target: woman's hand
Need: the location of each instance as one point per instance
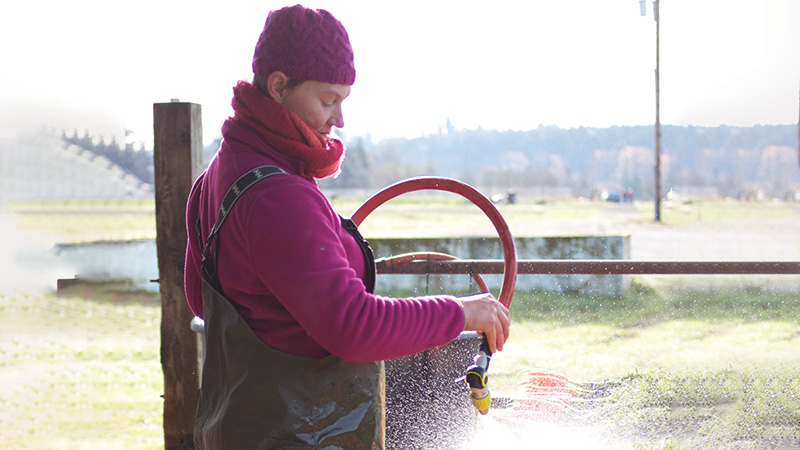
(484, 314)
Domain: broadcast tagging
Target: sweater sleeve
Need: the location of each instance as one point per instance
(191, 270)
(297, 252)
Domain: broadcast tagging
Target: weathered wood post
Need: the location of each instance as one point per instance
(178, 154)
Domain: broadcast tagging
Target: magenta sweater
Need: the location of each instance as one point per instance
(293, 272)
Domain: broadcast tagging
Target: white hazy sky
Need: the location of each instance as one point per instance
(100, 65)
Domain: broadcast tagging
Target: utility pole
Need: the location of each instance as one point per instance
(658, 119)
(658, 110)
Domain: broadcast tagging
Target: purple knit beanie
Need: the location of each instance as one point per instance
(305, 44)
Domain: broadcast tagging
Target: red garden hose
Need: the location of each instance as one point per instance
(468, 192)
(476, 375)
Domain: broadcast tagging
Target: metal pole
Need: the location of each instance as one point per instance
(658, 121)
(591, 266)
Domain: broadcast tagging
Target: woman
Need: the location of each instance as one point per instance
(294, 336)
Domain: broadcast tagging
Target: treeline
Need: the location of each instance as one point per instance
(132, 158)
(726, 161)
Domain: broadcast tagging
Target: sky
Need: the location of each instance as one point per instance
(503, 65)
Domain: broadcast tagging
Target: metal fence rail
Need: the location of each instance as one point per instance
(596, 267)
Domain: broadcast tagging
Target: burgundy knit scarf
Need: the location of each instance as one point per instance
(286, 132)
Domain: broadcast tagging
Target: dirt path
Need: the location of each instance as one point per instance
(764, 236)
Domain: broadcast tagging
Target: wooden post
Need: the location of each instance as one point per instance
(178, 154)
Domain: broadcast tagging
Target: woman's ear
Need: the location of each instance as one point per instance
(277, 85)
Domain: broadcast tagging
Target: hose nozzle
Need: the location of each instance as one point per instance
(478, 391)
(477, 378)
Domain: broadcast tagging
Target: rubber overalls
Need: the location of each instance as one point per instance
(255, 397)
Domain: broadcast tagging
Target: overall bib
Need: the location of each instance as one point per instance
(255, 397)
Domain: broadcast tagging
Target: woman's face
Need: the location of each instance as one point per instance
(318, 104)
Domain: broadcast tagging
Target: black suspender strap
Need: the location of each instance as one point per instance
(242, 184)
(236, 190)
(366, 250)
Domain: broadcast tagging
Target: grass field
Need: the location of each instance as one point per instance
(80, 371)
(689, 367)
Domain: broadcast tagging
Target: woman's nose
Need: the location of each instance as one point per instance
(337, 119)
